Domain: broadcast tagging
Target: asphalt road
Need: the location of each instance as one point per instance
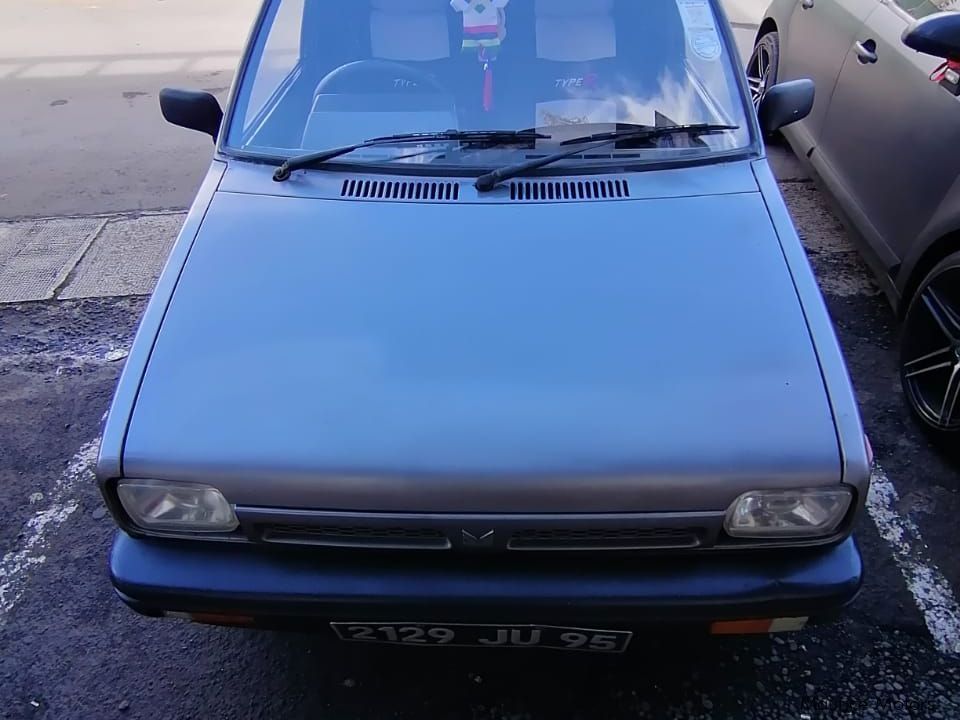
(80, 134)
(72, 650)
(80, 127)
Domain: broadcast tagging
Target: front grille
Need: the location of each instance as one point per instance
(473, 535)
(357, 536)
(629, 538)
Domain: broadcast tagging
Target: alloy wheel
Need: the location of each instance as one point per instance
(931, 352)
(759, 71)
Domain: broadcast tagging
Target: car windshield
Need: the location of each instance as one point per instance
(323, 74)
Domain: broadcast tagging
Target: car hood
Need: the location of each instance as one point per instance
(645, 354)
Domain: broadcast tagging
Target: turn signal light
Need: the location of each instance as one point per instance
(755, 627)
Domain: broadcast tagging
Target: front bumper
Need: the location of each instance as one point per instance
(303, 587)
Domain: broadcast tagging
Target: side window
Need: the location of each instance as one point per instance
(921, 8)
(280, 55)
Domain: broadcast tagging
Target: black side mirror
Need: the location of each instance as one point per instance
(192, 109)
(937, 35)
(785, 103)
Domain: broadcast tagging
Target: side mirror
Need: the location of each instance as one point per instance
(937, 35)
(785, 103)
(192, 109)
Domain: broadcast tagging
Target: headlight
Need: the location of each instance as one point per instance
(176, 507)
(772, 514)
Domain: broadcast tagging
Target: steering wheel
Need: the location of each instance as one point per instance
(378, 76)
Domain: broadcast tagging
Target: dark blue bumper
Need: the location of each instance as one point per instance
(157, 576)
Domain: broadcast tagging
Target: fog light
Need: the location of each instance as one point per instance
(814, 512)
(176, 507)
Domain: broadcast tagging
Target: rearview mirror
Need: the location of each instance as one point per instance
(937, 35)
(785, 103)
(192, 109)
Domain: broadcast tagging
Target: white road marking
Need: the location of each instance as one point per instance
(16, 565)
(930, 589)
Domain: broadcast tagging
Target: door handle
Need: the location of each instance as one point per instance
(866, 51)
(806, 4)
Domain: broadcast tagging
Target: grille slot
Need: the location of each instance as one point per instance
(631, 538)
(547, 190)
(400, 190)
(356, 536)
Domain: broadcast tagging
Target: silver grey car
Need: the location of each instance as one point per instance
(884, 137)
(488, 326)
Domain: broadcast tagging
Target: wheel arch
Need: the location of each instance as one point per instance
(769, 25)
(936, 251)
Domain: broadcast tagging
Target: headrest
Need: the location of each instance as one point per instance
(575, 30)
(409, 30)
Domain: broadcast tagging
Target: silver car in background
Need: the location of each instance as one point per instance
(884, 138)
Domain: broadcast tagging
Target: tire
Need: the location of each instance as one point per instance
(930, 353)
(763, 66)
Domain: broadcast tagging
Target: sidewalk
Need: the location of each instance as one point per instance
(102, 256)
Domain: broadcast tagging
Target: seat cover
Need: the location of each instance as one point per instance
(574, 38)
(409, 30)
(575, 30)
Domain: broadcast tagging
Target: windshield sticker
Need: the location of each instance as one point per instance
(701, 28)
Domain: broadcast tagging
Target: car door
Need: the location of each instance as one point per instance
(890, 148)
(815, 43)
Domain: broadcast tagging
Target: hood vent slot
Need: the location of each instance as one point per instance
(401, 190)
(547, 190)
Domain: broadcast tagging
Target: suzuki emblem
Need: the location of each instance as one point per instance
(480, 540)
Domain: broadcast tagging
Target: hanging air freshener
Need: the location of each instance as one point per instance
(484, 28)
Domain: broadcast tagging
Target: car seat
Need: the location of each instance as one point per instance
(594, 54)
(576, 50)
(413, 33)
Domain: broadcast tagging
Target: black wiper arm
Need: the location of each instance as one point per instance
(492, 137)
(490, 180)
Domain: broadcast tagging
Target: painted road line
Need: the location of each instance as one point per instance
(62, 502)
(930, 589)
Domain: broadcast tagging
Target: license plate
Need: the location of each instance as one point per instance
(460, 635)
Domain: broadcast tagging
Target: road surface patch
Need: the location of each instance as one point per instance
(17, 565)
(35, 256)
(125, 258)
(928, 586)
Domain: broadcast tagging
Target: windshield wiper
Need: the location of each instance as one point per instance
(486, 137)
(490, 180)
